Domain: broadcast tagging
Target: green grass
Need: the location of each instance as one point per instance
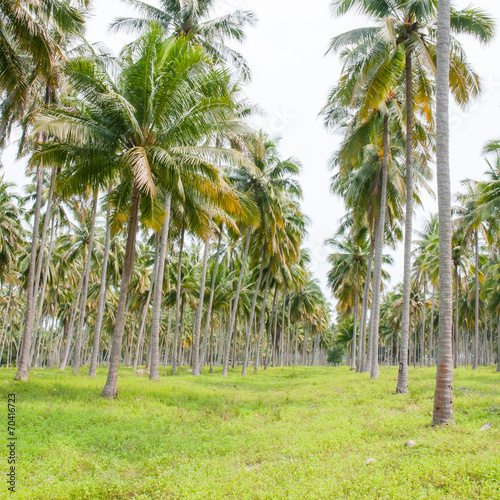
(284, 434)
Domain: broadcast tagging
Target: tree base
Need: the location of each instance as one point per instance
(21, 375)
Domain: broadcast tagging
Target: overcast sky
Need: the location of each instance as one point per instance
(291, 79)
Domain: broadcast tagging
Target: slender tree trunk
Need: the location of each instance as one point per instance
(22, 372)
(177, 303)
(364, 306)
(402, 385)
(305, 343)
(103, 286)
(154, 373)
(476, 304)
(498, 343)
(443, 397)
(232, 318)
(431, 334)
(199, 317)
(83, 298)
(457, 297)
(44, 286)
(210, 303)
(422, 340)
(252, 312)
(111, 387)
(47, 217)
(262, 322)
(4, 329)
(142, 324)
(353, 358)
(274, 314)
(379, 253)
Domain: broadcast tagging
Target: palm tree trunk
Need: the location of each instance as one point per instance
(42, 293)
(353, 358)
(402, 386)
(158, 293)
(422, 339)
(476, 304)
(252, 312)
(199, 317)
(232, 319)
(102, 297)
(22, 372)
(364, 306)
(178, 303)
(379, 253)
(443, 397)
(455, 336)
(282, 333)
(305, 343)
(262, 321)
(271, 323)
(210, 303)
(47, 217)
(498, 343)
(167, 340)
(4, 329)
(431, 334)
(83, 299)
(142, 324)
(111, 387)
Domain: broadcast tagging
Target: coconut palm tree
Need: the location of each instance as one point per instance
(144, 137)
(192, 19)
(411, 27)
(443, 397)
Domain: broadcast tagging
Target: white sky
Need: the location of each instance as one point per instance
(291, 79)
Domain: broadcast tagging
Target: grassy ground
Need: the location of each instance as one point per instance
(283, 434)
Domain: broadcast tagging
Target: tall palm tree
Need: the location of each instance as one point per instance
(192, 19)
(443, 397)
(144, 136)
(411, 27)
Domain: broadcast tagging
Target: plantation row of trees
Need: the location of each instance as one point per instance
(159, 228)
(391, 107)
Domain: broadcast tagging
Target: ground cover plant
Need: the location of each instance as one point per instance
(287, 433)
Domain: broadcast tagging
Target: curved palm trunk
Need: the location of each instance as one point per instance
(210, 303)
(158, 292)
(402, 386)
(261, 329)
(379, 251)
(248, 332)
(364, 308)
(102, 299)
(111, 387)
(177, 304)
(22, 372)
(353, 357)
(476, 305)
(232, 318)
(142, 324)
(196, 346)
(443, 397)
(83, 300)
